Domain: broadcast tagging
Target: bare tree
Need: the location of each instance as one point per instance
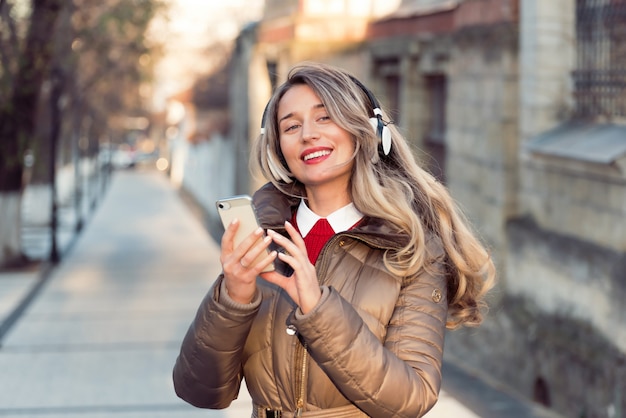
(18, 111)
(95, 56)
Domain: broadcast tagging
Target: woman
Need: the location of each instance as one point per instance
(358, 328)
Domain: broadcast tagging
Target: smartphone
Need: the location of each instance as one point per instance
(241, 208)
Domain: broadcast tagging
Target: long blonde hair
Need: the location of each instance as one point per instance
(392, 187)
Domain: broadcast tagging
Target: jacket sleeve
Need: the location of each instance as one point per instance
(400, 377)
(208, 370)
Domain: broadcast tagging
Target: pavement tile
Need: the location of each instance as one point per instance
(14, 286)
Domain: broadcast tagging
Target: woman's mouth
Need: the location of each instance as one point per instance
(316, 154)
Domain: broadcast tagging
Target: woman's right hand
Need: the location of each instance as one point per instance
(238, 263)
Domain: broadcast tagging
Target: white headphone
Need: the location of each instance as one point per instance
(378, 124)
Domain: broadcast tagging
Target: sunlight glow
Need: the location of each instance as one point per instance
(189, 30)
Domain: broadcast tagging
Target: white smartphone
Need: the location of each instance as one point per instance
(241, 208)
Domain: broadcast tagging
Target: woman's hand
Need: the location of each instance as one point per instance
(240, 264)
(302, 286)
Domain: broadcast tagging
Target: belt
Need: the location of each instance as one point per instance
(271, 413)
(348, 411)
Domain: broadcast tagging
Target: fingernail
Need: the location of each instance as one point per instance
(259, 231)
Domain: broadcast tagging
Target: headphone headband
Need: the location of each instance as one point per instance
(380, 127)
(369, 94)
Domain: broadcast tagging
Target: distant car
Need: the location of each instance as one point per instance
(119, 157)
(124, 156)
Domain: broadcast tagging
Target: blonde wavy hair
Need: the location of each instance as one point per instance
(391, 187)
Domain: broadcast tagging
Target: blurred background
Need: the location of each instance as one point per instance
(518, 106)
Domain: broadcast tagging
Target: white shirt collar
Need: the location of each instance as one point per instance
(340, 220)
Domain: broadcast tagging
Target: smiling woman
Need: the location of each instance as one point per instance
(382, 263)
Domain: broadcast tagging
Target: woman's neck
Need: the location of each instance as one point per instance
(323, 201)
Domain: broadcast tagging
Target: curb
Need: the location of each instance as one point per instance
(44, 273)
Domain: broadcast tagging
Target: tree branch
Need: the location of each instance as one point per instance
(8, 50)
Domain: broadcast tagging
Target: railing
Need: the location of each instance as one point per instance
(600, 76)
(52, 217)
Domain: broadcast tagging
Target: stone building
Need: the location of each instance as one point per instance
(519, 106)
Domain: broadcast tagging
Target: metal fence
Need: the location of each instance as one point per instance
(53, 215)
(600, 75)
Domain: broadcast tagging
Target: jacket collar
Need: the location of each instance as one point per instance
(340, 220)
(273, 208)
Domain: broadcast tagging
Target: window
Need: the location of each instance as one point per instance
(435, 140)
(272, 71)
(388, 72)
(600, 75)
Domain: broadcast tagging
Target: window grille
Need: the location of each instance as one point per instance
(600, 75)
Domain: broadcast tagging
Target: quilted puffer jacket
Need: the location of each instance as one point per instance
(373, 345)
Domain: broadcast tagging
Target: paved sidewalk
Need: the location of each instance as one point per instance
(100, 336)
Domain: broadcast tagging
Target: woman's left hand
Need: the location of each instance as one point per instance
(302, 286)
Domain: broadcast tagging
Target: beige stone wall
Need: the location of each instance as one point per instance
(567, 196)
(547, 57)
(582, 203)
(482, 131)
(560, 224)
(568, 277)
(577, 199)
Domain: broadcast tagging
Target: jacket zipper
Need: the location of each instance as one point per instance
(301, 383)
(301, 352)
(301, 359)
(301, 349)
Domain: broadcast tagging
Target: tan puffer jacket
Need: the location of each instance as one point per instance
(372, 347)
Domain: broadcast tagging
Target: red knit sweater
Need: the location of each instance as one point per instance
(317, 237)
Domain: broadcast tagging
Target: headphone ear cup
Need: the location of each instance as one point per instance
(386, 140)
(382, 133)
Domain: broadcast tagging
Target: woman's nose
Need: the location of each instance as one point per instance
(309, 131)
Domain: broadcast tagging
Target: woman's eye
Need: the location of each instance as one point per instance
(324, 118)
(291, 128)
